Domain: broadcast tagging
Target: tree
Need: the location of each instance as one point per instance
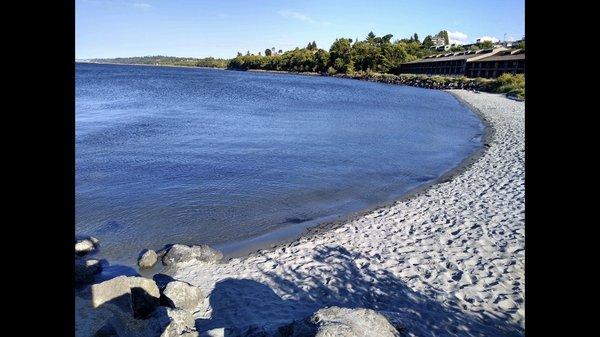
(444, 34)
(370, 37)
(321, 60)
(386, 38)
(373, 54)
(416, 37)
(339, 54)
(427, 43)
(487, 44)
(280, 51)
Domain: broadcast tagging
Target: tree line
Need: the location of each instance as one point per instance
(168, 61)
(374, 53)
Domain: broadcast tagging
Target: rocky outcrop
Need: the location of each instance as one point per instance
(136, 296)
(429, 82)
(148, 259)
(181, 295)
(85, 246)
(182, 253)
(342, 322)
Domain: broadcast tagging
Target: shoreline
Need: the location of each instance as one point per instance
(452, 253)
(281, 236)
(326, 226)
(150, 65)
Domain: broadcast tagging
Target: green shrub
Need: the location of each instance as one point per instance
(511, 84)
(520, 93)
(517, 80)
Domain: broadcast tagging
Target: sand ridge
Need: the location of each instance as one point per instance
(449, 261)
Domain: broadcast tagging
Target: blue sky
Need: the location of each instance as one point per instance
(120, 28)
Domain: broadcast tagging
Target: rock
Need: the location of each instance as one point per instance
(181, 295)
(182, 253)
(84, 246)
(145, 296)
(343, 322)
(162, 280)
(507, 304)
(167, 322)
(138, 296)
(85, 270)
(116, 291)
(147, 259)
(182, 324)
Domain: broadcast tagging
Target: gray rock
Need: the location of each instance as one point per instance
(85, 270)
(84, 246)
(167, 322)
(147, 259)
(138, 296)
(182, 295)
(342, 322)
(182, 253)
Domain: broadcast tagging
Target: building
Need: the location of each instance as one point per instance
(438, 41)
(481, 63)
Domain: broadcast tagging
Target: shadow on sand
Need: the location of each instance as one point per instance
(245, 307)
(255, 308)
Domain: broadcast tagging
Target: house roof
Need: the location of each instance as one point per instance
(470, 56)
(507, 55)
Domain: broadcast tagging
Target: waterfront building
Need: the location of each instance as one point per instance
(487, 63)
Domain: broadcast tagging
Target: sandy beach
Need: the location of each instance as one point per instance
(448, 261)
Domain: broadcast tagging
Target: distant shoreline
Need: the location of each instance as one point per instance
(149, 65)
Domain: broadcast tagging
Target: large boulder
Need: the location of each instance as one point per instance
(168, 322)
(84, 246)
(85, 270)
(147, 259)
(341, 322)
(181, 295)
(138, 296)
(182, 253)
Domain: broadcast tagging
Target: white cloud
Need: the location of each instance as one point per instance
(487, 38)
(457, 37)
(295, 15)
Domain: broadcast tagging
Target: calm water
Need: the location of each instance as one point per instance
(173, 155)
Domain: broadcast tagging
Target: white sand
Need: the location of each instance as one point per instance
(448, 262)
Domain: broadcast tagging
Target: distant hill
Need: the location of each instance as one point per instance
(166, 61)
